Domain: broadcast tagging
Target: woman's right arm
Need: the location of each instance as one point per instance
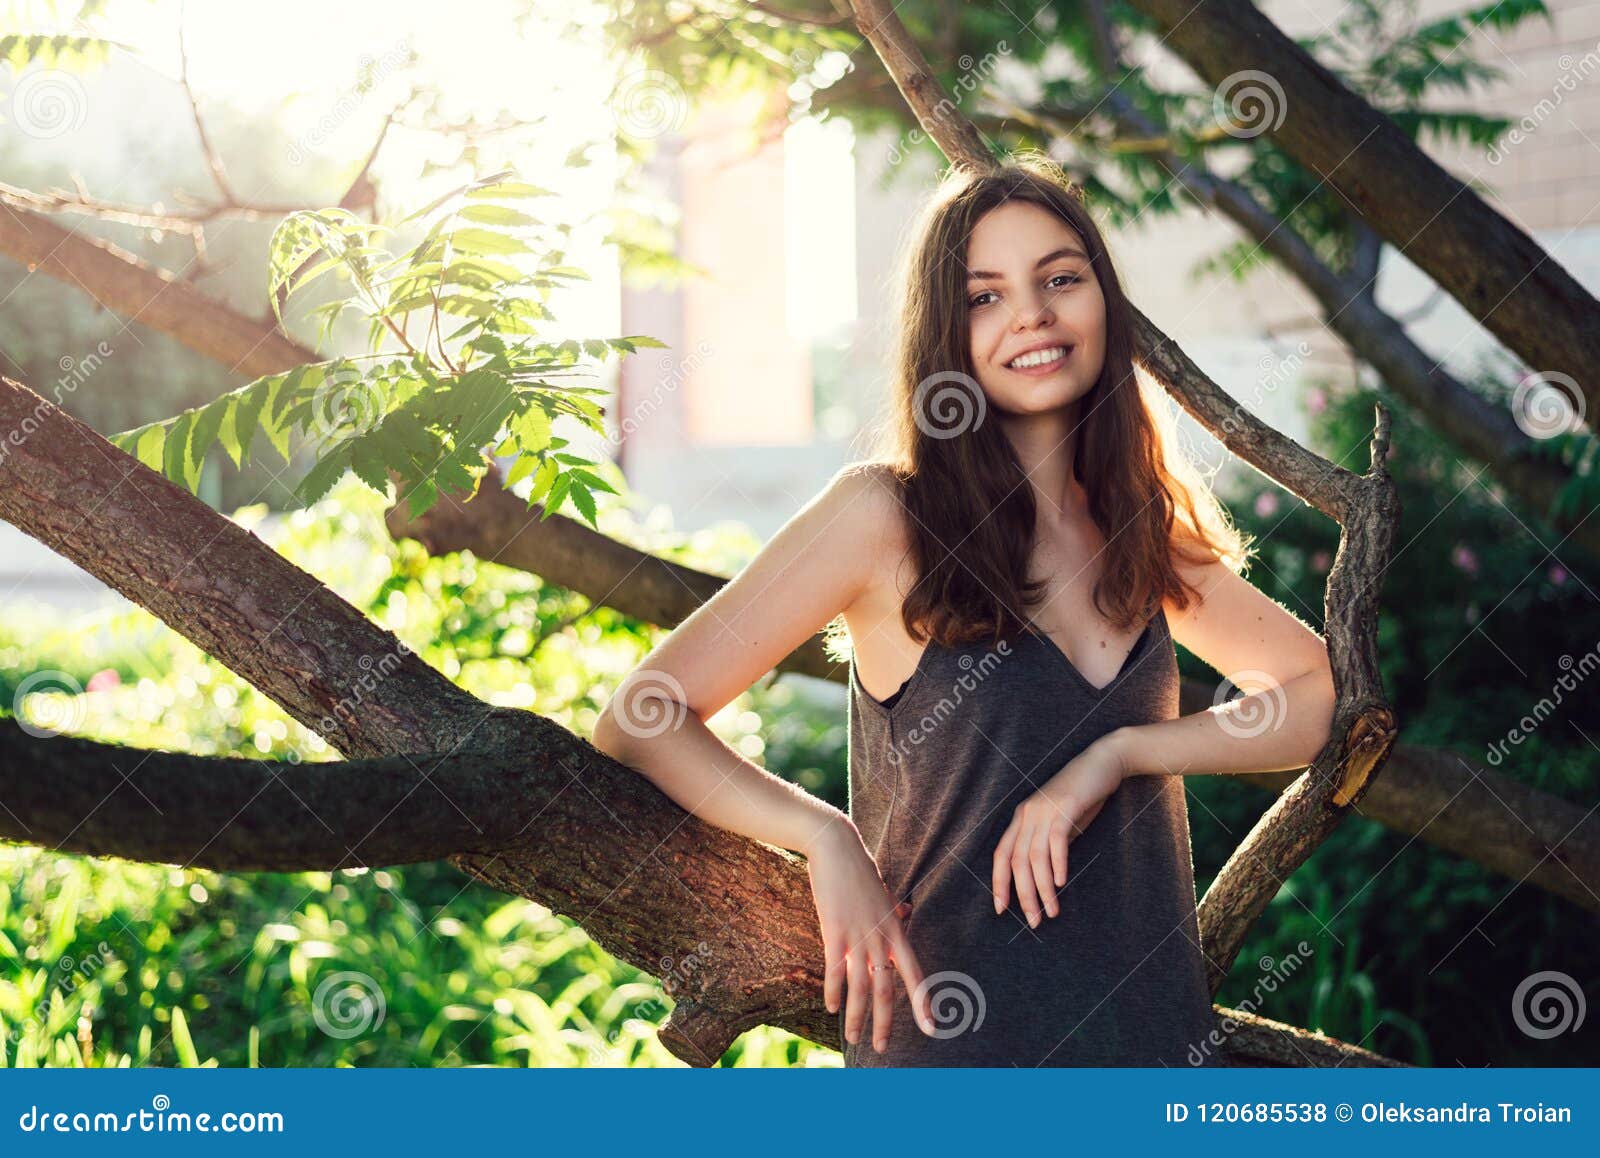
(814, 568)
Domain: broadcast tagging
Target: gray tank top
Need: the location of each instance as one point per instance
(1117, 978)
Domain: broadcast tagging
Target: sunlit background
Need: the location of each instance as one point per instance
(758, 243)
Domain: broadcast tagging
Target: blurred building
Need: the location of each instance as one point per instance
(778, 362)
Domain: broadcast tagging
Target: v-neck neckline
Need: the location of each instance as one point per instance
(1098, 692)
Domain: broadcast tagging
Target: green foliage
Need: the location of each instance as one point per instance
(1579, 451)
(1409, 942)
(425, 413)
(58, 51)
(1381, 50)
(468, 975)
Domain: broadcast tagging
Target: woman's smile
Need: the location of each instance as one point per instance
(1062, 353)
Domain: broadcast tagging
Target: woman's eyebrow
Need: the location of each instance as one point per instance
(1053, 255)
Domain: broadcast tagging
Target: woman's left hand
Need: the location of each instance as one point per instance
(1034, 847)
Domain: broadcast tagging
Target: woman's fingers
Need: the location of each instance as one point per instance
(882, 994)
(1058, 853)
(1001, 871)
(858, 990)
(905, 959)
(1039, 862)
(832, 971)
(1022, 873)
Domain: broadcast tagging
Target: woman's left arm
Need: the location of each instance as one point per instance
(1283, 719)
(1281, 722)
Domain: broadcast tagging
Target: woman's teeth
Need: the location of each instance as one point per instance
(1038, 358)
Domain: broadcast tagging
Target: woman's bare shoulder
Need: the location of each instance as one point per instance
(867, 493)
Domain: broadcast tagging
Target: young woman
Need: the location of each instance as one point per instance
(1011, 568)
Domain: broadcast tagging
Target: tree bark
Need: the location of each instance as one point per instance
(541, 814)
(127, 285)
(1483, 430)
(1367, 508)
(1496, 271)
(1438, 797)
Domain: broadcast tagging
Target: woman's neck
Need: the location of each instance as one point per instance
(1046, 445)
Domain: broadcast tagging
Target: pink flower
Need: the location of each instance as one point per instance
(1266, 504)
(1557, 574)
(1316, 401)
(104, 680)
(1320, 561)
(1464, 559)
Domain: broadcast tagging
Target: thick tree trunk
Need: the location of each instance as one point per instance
(1483, 430)
(1440, 798)
(1496, 271)
(1366, 507)
(539, 812)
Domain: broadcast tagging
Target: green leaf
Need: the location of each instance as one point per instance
(422, 496)
(246, 412)
(510, 191)
(206, 425)
(320, 478)
(367, 460)
(583, 500)
(497, 215)
(182, 1043)
(175, 453)
(151, 446)
(558, 492)
(482, 241)
(593, 482)
(544, 478)
(532, 428)
(452, 476)
(524, 466)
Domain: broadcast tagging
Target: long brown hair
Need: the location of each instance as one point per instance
(971, 513)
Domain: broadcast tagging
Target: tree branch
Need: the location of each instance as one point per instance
(138, 291)
(1485, 431)
(1438, 797)
(219, 585)
(1495, 270)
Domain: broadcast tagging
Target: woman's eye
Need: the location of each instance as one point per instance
(1071, 279)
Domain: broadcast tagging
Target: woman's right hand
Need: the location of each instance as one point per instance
(862, 935)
